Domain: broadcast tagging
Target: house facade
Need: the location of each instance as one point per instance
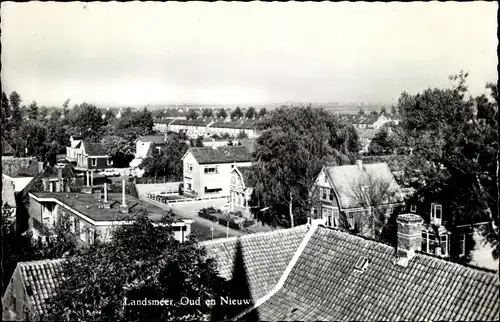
(92, 156)
(241, 197)
(74, 148)
(344, 194)
(207, 170)
(162, 125)
(234, 128)
(192, 128)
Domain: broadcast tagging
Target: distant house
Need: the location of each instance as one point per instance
(94, 215)
(145, 145)
(316, 274)
(365, 121)
(366, 137)
(207, 170)
(234, 128)
(241, 196)
(219, 142)
(74, 148)
(347, 190)
(162, 125)
(92, 156)
(176, 113)
(192, 128)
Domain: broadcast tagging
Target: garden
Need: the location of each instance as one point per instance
(235, 220)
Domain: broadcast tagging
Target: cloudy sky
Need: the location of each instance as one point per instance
(242, 53)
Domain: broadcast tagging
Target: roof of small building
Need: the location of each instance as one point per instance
(368, 133)
(158, 139)
(347, 181)
(7, 149)
(88, 205)
(225, 154)
(94, 149)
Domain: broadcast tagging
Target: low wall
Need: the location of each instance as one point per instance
(142, 189)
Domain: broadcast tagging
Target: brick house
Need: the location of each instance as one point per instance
(207, 170)
(316, 273)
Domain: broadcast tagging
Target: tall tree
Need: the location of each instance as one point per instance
(207, 112)
(394, 110)
(262, 112)
(192, 114)
(383, 110)
(222, 114)
(294, 145)
(250, 113)
(119, 149)
(15, 100)
(142, 260)
(33, 111)
(456, 150)
(361, 111)
(86, 120)
(237, 113)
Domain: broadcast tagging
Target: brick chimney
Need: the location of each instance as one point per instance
(409, 234)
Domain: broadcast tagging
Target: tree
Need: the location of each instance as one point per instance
(262, 112)
(237, 113)
(207, 112)
(222, 114)
(226, 136)
(387, 141)
(374, 113)
(120, 150)
(250, 113)
(199, 141)
(394, 110)
(86, 120)
(191, 114)
(142, 260)
(455, 150)
(361, 111)
(167, 162)
(294, 146)
(33, 111)
(383, 111)
(15, 100)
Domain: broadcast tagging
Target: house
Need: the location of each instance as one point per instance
(365, 121)
(241, 196)
(74, 148)
(316, 273)
(365, 137)
(162, 125)
(207, 170)
(348, 191)
(234, 128)
(176, 113)
(92, 156)
(93, 215)
(192, 128)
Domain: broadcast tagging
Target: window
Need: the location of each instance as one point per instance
(189, 167)
(444, 244)
(94, 161)
(331, 194)
(212, 170)
(462, 245)
(188, 186)
(110, 162)
(350, 220)
(324, 193)
(413, 208)
(436, 213)
(77, 227)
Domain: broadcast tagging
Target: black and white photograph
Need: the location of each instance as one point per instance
(249, 161)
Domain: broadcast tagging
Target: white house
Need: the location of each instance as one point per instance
(144, 146)
(241, 190)
(73, 149)
(207, 170)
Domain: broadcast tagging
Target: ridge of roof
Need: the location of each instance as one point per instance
(41, 262)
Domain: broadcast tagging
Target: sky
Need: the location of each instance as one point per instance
(136, 53)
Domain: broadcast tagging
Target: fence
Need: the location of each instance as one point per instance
(164, 179)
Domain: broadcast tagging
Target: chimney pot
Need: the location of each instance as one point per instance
(409, 233)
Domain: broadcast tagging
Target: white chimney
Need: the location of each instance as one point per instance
(88, 178)
(105, 192)
(91, 178)
(124, 204)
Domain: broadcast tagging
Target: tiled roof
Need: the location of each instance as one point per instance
(94, 149)
(163, 121)
(226, 154)
(40, 280)
(265, 256)
(12, 166)
(249, 144)
(198, 122)
(323, 285)
(395, 162)
(247, 124)
(31, 170)
(348, 179)
(367, 133)
(6, 148)
(158, 139)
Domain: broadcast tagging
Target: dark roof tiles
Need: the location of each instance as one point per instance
(94, 149)
(226, 154)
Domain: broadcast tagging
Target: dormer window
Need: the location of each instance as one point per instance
(362, 264)
(436, 214)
